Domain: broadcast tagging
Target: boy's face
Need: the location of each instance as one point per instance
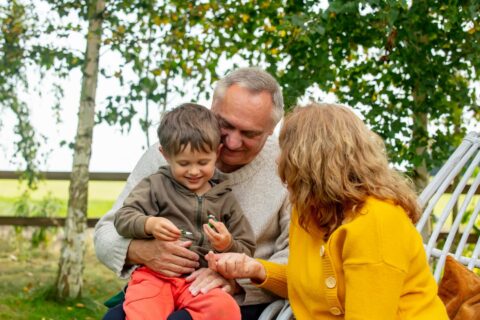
(193, 169)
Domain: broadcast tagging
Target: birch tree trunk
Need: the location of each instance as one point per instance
(420, 135)
(70, 272)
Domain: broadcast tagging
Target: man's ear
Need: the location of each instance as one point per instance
(272, 130)
(219, 149)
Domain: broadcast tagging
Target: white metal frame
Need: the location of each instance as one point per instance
(462, 166)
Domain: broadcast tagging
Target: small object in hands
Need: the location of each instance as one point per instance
(211, 216)
(187, 235)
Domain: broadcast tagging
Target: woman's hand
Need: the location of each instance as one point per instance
(236, 265)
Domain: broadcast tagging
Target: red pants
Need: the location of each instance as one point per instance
(153, 296)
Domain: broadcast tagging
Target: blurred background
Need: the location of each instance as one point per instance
(83, 85)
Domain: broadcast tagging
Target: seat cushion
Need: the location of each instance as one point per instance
(459, 290)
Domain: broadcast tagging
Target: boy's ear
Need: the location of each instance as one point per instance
(163, 152)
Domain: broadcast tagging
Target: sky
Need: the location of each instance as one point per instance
(112, 149)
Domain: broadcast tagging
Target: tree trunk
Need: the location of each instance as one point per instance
(420, 173)
(70, 279)
(420, 133)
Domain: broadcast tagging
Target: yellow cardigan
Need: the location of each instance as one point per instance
(372, 267)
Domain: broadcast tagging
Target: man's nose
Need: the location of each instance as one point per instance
(233, 140)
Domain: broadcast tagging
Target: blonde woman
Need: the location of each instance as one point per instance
(354, 250)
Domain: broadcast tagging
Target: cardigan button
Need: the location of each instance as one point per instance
(330, 282)
(322, 250)
(335, 311)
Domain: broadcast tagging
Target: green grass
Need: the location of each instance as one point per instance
(27, 276)
(101, 195)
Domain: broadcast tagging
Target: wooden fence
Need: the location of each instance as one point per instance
(50, 221)
(95, 176)
(39, 221)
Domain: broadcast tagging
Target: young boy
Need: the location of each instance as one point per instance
(184, 200)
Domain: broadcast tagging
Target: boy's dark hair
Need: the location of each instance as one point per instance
(189, 124)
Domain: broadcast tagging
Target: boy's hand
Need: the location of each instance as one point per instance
(162, 229)
(218, 236)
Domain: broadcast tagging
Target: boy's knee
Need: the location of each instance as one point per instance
(227, 306)
(216, 304)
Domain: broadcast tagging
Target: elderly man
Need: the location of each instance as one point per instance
(248, 102)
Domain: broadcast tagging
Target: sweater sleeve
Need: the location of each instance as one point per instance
(243, 238)
(276, 280)
(280, 254)
(111, 248)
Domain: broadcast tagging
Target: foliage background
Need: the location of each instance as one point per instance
(409, 67)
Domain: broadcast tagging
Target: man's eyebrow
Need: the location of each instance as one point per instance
(246, 132)
(224, 121)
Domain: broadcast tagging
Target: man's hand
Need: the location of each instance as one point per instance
(219, 236)
(203, 280)
(170, 258)
(162, 229)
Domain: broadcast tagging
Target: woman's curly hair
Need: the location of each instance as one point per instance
(331, 162)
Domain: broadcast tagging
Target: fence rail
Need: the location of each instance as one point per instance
(120, 176)
(63, 175)
(39, 221)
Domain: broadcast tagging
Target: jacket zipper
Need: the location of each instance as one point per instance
(198, 219)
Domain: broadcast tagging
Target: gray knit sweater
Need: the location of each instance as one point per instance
(259, 192)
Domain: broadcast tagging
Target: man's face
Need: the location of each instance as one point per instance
(246, 122)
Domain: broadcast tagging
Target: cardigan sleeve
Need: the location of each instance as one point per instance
(372, 291)
(276, 280)
(376, 250)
